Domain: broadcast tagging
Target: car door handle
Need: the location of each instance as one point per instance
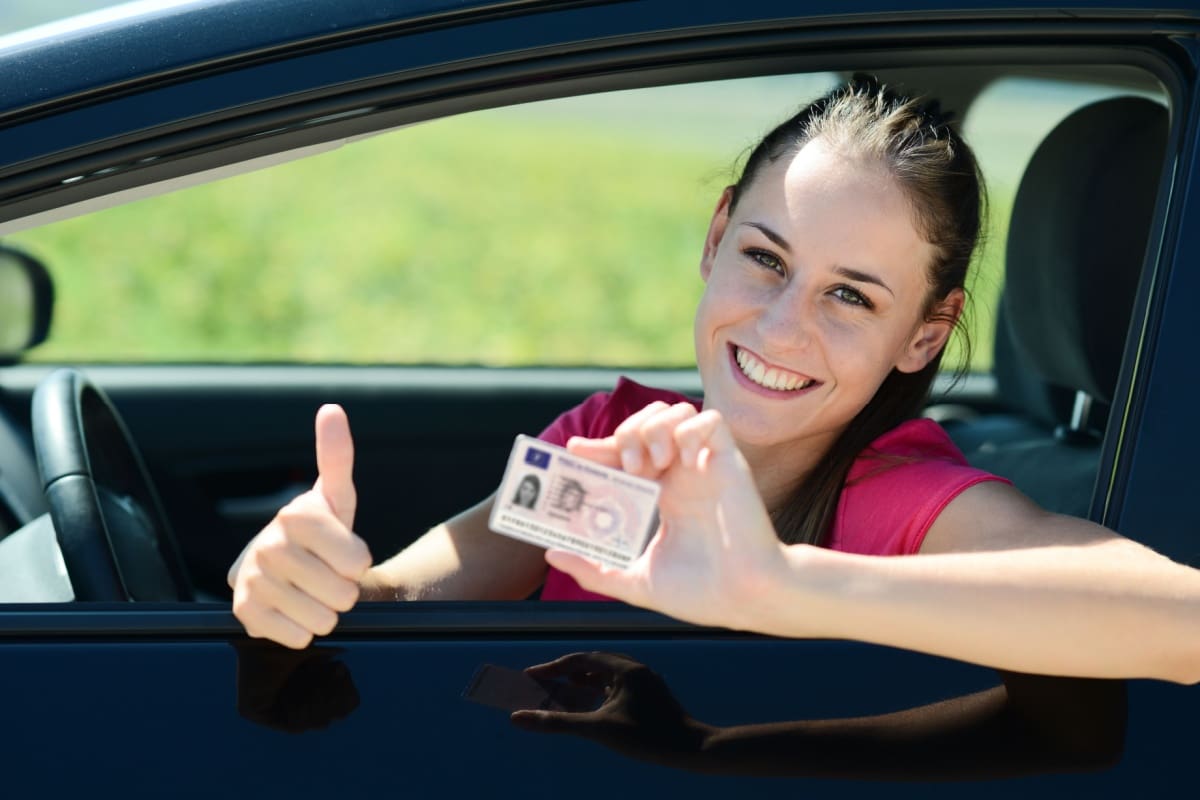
(260, 506)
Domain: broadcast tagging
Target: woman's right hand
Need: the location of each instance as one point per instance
(715, 545)
(305, 566)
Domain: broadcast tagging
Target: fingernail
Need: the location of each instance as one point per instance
(631, 459)
(657, 454)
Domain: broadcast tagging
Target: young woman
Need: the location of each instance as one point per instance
(834, 272)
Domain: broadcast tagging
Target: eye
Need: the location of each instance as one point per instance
(851, 297)
(765, 259)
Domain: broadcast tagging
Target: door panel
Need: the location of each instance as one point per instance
(385, 712)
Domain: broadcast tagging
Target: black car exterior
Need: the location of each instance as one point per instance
(172, 699)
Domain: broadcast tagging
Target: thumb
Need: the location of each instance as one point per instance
(335, 463)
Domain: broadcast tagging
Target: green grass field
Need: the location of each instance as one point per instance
(566, 233)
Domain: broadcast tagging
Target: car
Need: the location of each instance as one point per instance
(219, 214)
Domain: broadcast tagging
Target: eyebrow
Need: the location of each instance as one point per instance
(770, 234)
(862, 277)
(845, 272)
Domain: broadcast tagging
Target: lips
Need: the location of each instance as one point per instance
(769, 376)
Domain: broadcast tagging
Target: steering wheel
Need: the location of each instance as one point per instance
(114, 538)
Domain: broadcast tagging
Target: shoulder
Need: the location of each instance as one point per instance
(915, 455)
(897, 488)
(921, 439)
(600, 414)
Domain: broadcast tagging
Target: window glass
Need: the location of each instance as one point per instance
(565, 232)
(17, 15)
(1005, 125)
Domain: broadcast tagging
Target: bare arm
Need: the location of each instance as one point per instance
(461, 559)
(1003, 583)
(1029, 725)
(1022, 590)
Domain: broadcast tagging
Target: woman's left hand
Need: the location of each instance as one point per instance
(715, 541)
(638, 716)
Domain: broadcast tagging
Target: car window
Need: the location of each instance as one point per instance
(18, 15)
(564, 232)
(1007, 121)
(506, 237)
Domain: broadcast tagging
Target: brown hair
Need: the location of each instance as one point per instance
(939, 175)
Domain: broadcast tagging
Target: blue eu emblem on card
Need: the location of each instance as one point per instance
(538, 458)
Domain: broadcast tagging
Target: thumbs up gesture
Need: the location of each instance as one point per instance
(304, 567)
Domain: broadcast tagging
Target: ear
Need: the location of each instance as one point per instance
(931, 335)
(716, 230)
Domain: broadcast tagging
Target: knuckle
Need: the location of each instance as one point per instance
(625, 434)
(684, 410)
(304, 506)
(269, 558)
(683, 434)
(362, 554)
(347, 596)
(254, 582)
(658, 429)
(294, 513)
(325, 623)
(297, 640)
(244, 609)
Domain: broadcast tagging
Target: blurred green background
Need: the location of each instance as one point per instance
(566, 232)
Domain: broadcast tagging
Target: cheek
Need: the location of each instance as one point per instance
(857, 354)
(706, 321)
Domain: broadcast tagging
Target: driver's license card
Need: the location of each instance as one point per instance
(553, 499)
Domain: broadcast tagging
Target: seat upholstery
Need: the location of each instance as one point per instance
(1077, 239)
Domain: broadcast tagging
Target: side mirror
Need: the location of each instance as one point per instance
(26, 302)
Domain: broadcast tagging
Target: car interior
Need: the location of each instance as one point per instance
(1077, 238)
(1081, 225)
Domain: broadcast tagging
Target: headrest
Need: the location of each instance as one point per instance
(1077, 239)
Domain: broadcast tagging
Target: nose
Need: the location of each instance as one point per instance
(786, 322)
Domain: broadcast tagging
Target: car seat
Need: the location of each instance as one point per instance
(1077, 239)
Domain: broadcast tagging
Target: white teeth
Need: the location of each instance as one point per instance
(771, 378)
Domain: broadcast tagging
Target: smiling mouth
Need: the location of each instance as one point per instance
(769, 377)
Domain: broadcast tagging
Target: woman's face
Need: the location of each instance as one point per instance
(816, 287)
(526, 493)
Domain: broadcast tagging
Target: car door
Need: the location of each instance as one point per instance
(153, 700)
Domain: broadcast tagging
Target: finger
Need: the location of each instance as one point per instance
(705, 433)
(298, 566)
(591, 669)
(554, 721)
(265, 605)
(559, 667)
(308, 523)
(231, 576)
(658, 433)
(267, 623)
(593, 577)
(335, 463)
(603, 451)
(265, 591)
(635, 459)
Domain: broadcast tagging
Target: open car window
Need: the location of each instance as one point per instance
(505, 237)
(563, 233)
(559, 234)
